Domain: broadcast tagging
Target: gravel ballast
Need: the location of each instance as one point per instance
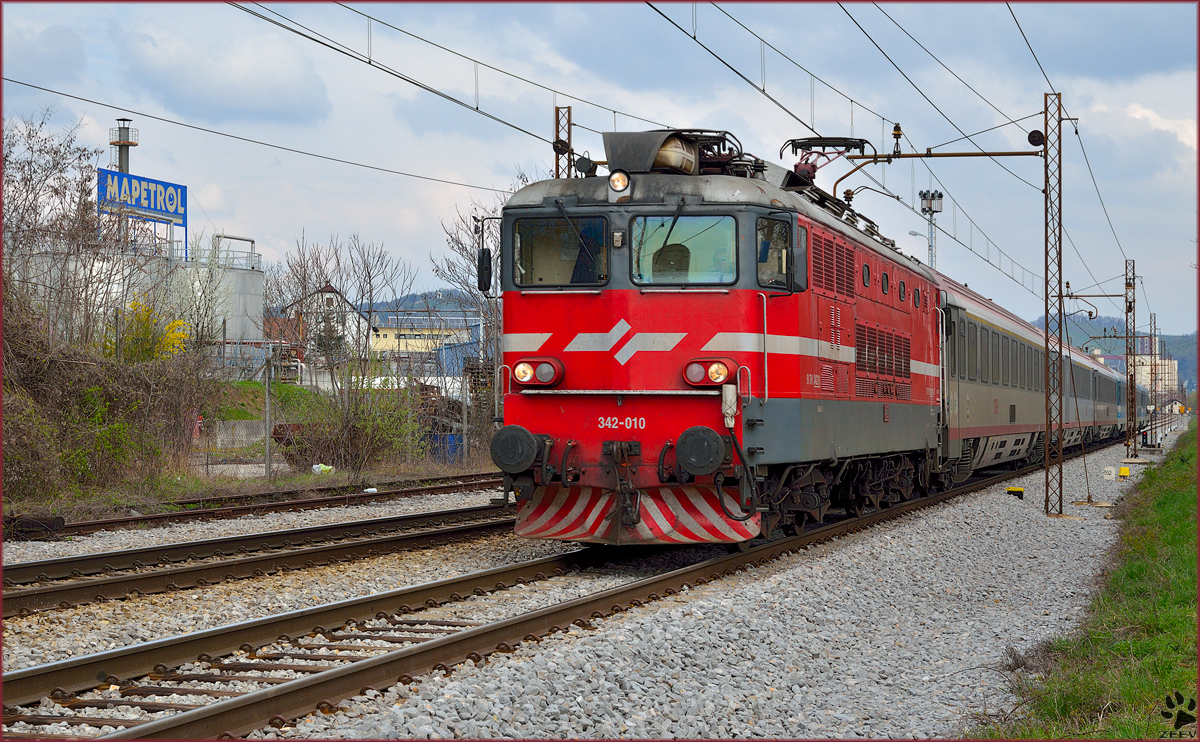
(897, 631)
(31, 551)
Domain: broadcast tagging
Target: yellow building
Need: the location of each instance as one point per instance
(408, 339)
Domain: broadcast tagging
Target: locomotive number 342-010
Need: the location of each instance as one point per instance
(628, 423)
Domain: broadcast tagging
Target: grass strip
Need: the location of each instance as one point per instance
(1111, 679)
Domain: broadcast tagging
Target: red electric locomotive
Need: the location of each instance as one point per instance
(703, 347)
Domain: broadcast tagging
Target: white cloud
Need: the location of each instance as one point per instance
(1183, 129)
(226, 77)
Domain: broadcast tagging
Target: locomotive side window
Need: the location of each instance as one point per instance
(555, 252)
(866, 275)
(917, 298)
(774, 239)
(883, 282)
(902, 296)
(701, 250)
(984, 359)
(973, 352)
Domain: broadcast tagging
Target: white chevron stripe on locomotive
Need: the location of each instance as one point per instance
(682, 514)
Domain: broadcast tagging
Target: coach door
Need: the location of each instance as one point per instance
(953, 369)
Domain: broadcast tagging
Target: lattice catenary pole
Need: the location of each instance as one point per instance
(1054, 306)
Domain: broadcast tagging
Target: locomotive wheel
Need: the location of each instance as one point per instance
(739, 547)
(796, 527)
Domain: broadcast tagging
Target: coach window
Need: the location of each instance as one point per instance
(702, 249)
(973, 352)
(556, 252)
(1006, 362)
(883, 282)
(866, 275)
(995, 358)
(774, 239)
(984, 355)
(962, 350)
(1019, 372)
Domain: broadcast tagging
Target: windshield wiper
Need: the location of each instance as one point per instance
(678, 209)
(558, 202)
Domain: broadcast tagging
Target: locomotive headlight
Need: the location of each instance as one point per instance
(523, 372)
(708, 371)
(544, 373)
(618, 180)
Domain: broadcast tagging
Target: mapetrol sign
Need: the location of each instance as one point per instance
(146, 198)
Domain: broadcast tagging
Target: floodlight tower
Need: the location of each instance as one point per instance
(931, 203)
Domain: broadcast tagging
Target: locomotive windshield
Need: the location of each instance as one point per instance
(555, 252)
(701, 249)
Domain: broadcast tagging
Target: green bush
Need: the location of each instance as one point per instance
(31, 453)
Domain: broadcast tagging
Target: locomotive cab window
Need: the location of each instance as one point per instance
(554, 252)
(702, 249)
(774, 245)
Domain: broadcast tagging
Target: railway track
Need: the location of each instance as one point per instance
(69, 581)
(289, 664)
(233, 506)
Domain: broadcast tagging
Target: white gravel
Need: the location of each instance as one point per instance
(894, 632)
(29, 551)
(56, 635)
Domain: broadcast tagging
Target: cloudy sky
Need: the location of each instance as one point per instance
(1126, 71)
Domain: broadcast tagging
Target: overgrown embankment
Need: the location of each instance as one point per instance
(79, 426)
(1112, 678)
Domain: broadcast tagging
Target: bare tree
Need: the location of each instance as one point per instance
(77, 266)
(457, 266)
(332, 292)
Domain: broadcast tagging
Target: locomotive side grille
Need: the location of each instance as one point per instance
(818, 262)
(826, 378)
(882, 353)
(859, 351)
(845, 270)
(843, 379)
(872, 351)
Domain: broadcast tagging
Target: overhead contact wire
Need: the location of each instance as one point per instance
(357, 56)
(735, 71)
(255, 141)
(504, 72)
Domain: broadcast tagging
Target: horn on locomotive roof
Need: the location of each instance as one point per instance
(689, 151)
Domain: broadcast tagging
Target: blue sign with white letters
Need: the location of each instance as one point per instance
(144, 198)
